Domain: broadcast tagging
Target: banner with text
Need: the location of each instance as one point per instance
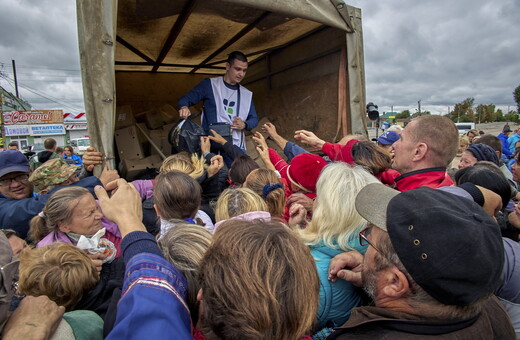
(33, 117)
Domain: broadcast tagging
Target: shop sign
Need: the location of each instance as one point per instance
(33, 117)
(47, 129)
(16, 130)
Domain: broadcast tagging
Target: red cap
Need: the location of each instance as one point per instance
(305, 169)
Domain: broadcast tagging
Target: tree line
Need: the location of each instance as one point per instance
(466, 111)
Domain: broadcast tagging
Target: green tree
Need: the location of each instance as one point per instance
(480, 112)
(499, 116)
(403, 114)
(511, 117)
(516, 95)
(485, 113)
(463, 112)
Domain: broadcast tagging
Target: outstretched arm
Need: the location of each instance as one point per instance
(197, 94)
(270, 129)
(263, 150)
(309, 138)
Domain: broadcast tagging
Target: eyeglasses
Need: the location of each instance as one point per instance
(20, 179)
(363, 240)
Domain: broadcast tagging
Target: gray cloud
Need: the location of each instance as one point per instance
(41, 36)
(441, 52)
(438, 51)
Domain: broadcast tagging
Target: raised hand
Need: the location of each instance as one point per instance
(309, 138)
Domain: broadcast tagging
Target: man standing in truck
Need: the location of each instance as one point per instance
(228, 106)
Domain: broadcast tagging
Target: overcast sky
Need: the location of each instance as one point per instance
(440, 52)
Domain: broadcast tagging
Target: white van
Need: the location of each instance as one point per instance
(465, 127)
(80, 145)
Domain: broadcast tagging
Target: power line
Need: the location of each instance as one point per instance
(42, 67)
(45, 96)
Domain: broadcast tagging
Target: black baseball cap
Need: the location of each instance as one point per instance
(447, 243)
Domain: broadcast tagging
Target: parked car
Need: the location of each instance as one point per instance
(32, 150)
(80, 145)
(465, 127)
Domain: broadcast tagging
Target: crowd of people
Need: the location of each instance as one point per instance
(357, 239)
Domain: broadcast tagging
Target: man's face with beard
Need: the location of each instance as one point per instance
(370, 268)
(370, 282)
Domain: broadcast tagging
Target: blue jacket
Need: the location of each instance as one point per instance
(153, 303)
(75, 159)
(512, 142)
(203, 91)
(505, 145)
(16, 214)
(336, 298)
(292, 150)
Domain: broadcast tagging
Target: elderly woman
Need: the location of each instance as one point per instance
(72, 215)
(334, 229)
(64, 274)
(478, 152)
(70, 157)
(60, 271)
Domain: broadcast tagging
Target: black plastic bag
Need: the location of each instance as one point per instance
(185, 136)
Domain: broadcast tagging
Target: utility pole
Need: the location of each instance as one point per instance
(15, 79)
(419, 104)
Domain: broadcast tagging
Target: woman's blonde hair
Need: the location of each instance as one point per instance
(474, 132)
(58, 208)
(464, 140)
(60, 271)
(184, 246)
(261, 181)
(237, 201)
(192, 165)
(335, 220)
(259, 281)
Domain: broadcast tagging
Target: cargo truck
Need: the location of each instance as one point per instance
(138, 57)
